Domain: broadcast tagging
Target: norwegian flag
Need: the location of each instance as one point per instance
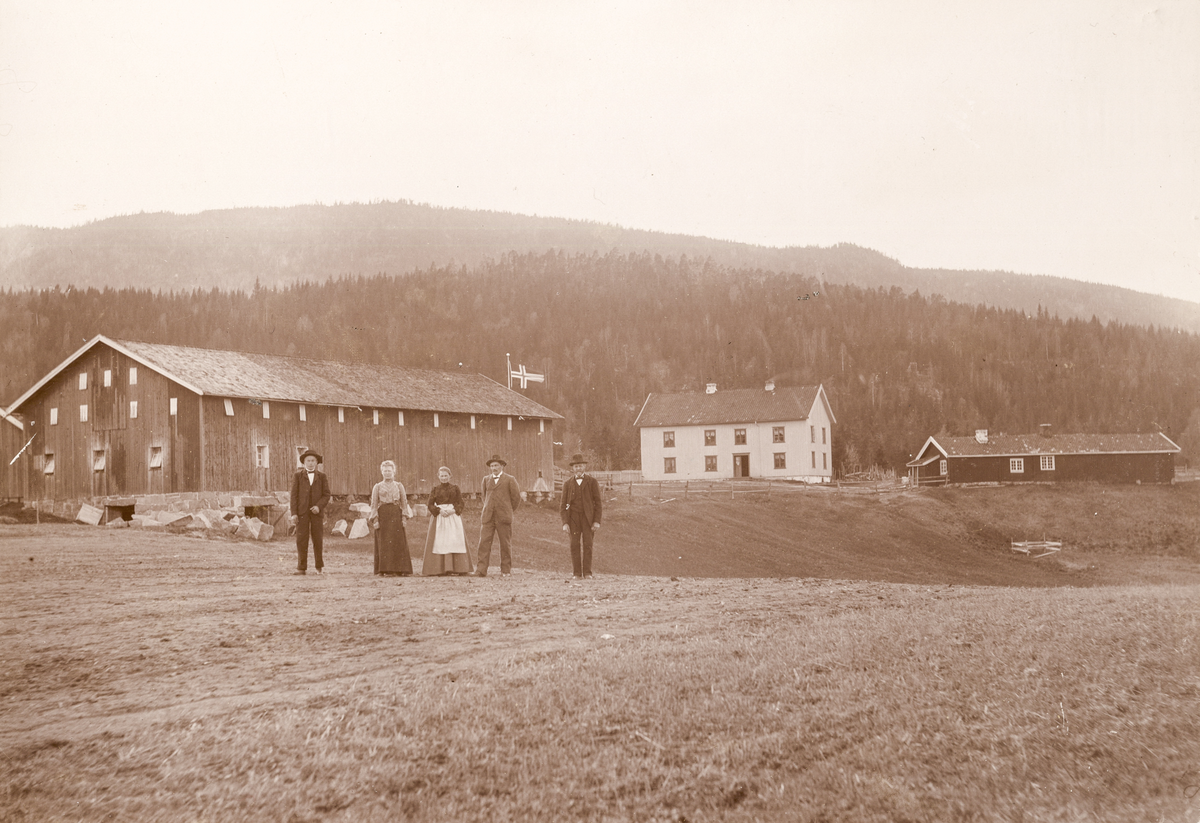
(522, 376)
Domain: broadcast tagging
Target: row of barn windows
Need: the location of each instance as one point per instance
(83, 378)
(266, 407)
(739, 437)
(710, 462)
(1016, 465)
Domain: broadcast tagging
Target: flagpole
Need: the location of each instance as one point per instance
(508, 361)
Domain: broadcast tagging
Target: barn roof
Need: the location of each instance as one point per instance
(731, 406)
(320, 382)
(1005, 445)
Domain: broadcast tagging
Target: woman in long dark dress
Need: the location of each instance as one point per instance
(445, 545)
(388, 506)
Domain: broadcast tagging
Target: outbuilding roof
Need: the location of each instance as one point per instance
(320, 382)
(1017, 445)
(731, 406)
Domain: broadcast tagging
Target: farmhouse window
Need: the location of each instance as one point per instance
(375, 416)
(814, 459)
(266, 410)
(132, 409)
(341, 414)
(668, 465)
(943, 468)
(1047, 462)
(812, 433)
(156, 457)
(739, 437)
(710, 438)
(303, 413)
(669, 441)
(83, 381)
(133, 375)
(780, 460)
(823, 440)
(824, 461)
(1016, 465)
(228, 407)
(54, 416)
(48, 463)
(777, 434)
(710, 462)
(98, 460)
(107, 378)
(262, 457)
(174, 406)
(83, 412)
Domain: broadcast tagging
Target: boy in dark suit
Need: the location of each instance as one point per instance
(310, 496)
(581, 509)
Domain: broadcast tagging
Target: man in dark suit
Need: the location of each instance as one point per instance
(501, 497)
(310, 496)
(581, 509)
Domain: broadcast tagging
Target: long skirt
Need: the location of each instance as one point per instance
(435, 563)
(391, 543)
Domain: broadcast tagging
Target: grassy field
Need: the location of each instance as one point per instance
(158, 677)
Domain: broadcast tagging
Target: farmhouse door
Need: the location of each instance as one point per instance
(741, 465)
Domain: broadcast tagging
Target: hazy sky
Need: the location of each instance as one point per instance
(1047, 138)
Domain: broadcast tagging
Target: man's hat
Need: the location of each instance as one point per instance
(578, 458)
(314, 454)
(495, 458)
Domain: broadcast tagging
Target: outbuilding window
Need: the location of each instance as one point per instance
(48, 463)
(1016, 465)
(262, 457)
(54, 416)
(132, 409)
(133, 375)
(156, 457)
(83, 412)
(228, 407)
(943, 468)
(99, 460)
(1047, 462)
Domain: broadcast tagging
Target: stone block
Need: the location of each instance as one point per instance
(117, 524)
(90, 515)
(265, 532)
(340, 527)
(361, 508)
(169, 517)
(359, 529)
(420, 510)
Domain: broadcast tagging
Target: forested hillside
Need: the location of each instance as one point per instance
(236, 248)
(607, 330)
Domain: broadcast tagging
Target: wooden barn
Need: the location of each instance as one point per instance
(12, 440)
(779, 433)
(123, 418)
(1045, 458)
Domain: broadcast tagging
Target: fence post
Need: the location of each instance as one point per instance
(685, 489)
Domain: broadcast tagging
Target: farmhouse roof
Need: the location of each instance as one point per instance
(1005, 445)
(731, 406)
(320, 382)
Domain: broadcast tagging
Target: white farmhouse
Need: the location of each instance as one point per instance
(776, 433)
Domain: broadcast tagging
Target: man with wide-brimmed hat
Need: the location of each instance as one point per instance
(501, 497)
(581, 509)
(310, 496)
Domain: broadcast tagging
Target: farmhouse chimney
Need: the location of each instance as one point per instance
(981, 435)
(1045, 429)
(770, 386)
(711, 388)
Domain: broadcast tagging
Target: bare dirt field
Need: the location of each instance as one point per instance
(731, 660)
